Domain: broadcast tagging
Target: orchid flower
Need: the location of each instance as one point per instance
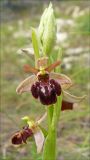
(46, 85)
(31, 129)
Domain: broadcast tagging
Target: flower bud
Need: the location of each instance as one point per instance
(41, 25)
(49, 34)
(47, 30)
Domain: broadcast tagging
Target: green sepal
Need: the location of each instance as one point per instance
(44, 131)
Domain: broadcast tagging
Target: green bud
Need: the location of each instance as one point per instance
(47, 30)
(25, 119)
(49, 34)
(28, 121)
(43, 20)
(48, 11)
(41, 25)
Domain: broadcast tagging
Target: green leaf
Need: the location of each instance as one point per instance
(35, 43)
(49, 151)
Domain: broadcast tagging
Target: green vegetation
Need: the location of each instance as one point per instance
(83, 23)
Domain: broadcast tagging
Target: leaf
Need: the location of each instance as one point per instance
(35, 43)
(50, 143)
(49, 151)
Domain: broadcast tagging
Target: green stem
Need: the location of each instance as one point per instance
(49, 151)
(59, 103)
(49, 115)
(54, 118)
(53, 112)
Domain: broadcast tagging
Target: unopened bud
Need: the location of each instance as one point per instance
(47, 30)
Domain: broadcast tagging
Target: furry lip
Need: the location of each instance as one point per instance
(46, 90)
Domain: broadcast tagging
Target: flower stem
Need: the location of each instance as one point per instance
(49, 115)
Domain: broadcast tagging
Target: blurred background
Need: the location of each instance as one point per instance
(73, 36)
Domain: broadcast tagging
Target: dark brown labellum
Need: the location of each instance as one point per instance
(17, 138)
(46, 90)
(47, 95)
(57, 87)
(34, 90)
(21, 136)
